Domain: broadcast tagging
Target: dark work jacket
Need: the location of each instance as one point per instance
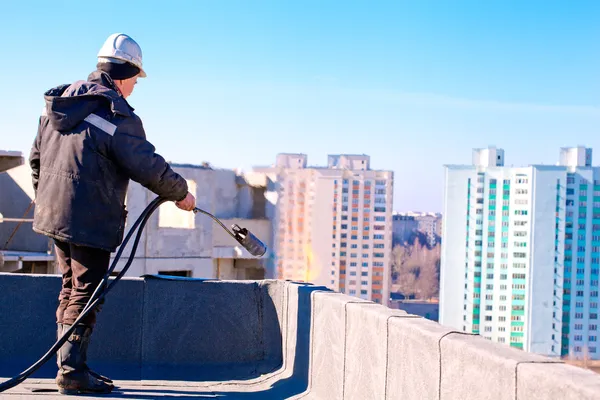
(89, 144)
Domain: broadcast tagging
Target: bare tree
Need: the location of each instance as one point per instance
(415, 268)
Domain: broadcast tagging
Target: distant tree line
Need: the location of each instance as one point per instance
(416, 267)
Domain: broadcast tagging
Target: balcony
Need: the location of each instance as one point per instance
(189, 338)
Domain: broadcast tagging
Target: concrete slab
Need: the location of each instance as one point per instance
(556, 381)
(478, 369)
(414, 358)
(328, 343)
(366, 350)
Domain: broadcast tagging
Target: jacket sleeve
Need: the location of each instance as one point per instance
(34, 156)
(137, 157)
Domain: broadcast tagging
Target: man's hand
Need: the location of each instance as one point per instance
(188, 203)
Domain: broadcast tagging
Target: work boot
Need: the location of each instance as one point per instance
(84, 348)
(74, 376)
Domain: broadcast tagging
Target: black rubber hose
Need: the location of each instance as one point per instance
(97, 296)
(141, 222)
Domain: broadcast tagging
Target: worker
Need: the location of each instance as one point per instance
(89, 144)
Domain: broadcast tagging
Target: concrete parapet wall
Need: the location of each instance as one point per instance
(279, 340)
(361, 350)
(151, 328)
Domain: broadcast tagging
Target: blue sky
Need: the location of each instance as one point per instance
(414, 84)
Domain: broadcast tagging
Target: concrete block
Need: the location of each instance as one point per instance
(195, 330)
(478, 369)
(556, 381)
(366, 349)
(328, 343)
(414, 358)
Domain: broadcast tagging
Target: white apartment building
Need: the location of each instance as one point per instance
(521, 252)
(332, 225)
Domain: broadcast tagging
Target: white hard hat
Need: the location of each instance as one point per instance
(121, 48)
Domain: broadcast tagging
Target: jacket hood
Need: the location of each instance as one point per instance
(68, 105)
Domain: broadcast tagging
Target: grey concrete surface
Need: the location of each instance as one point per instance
(14, 201)
(328, 350)
(556, 381)
(478, 369)
(414, 358)
(365, 367)
(271, 339)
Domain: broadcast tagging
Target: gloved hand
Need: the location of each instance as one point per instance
(187, 204)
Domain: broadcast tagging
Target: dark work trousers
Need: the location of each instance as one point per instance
(82, 270)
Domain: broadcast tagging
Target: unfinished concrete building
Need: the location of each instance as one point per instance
(181, 243)
(21, 250)
(174, 242)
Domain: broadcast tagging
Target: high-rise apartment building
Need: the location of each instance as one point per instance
(332, 225)
(521, 252)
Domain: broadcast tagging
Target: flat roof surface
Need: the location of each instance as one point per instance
(46, 389)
